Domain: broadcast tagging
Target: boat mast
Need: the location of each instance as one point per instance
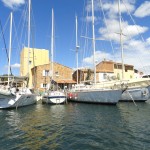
(121, 43)
(10, 48)
(29, 7)
(93, 41)
(52, 44)
(77, 47)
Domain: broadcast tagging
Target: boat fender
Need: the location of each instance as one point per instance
(144, 92)
(75, 96)
(70, 95)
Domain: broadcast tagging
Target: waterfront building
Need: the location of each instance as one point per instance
(109, 70)
(62, 76)
(106, 70)
(30, 58)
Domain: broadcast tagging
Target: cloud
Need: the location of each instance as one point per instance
(136, 51)
(148, 40)
(89, 5)
(15, 65)
(133, 30)
(145, 69)
(13, 3)
(99, 56)
(112, 8)
(111, 30)
(143, 10)
(89, 18)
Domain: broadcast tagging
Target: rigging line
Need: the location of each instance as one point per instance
(5, 45)
(16, 37)
(80, 53)
(24, 18)
(54, 52)
(23, 24)
(133, 21)
(4, 28)
(81, 33)
(86, 45)
(137, 30)
(72, 43)
(33, 43)
(101, 5)
(34, 69)
(82, 27)
(135, 26)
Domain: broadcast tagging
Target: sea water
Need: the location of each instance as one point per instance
(76, 126)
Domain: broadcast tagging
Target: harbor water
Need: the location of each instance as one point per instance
(76, 126)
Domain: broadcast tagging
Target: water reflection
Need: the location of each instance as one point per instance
(76, 126)
(36, 127)
(136, 121)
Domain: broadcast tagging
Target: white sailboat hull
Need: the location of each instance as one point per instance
(96, 96)
(6, 95)
(19, 100)
(135, 94)
(137, 89)
(54, 97)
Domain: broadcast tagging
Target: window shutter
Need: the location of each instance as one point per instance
(41, 85)
(43, 72)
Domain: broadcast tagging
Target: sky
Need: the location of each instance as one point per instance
(135, 23)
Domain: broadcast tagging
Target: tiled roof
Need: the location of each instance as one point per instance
(65, 81)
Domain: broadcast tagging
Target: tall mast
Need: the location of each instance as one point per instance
(77, 47)
(52, 43)
(29, 23)
(10, 48)
(121, 43)
(93, 40)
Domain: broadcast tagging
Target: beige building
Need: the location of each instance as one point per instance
(105, 70)
(30, 58)
(83, 75)
(62, 76)
(128, 71)
(109, 69)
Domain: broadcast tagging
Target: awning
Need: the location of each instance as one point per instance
(65, 81)
(16, 78)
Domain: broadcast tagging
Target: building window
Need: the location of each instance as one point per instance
(30, 62)
(117, 66)
(56, 73)
(43, 85)
(105, 76)
(118, 76)
(45, 72)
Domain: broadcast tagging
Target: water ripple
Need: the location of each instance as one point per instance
(76, 126)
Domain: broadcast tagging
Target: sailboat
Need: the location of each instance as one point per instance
(13, 94)
(138, 89)
(93, 93)
(53, 96)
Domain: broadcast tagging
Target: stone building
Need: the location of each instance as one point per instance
(84, 75)
(62, 76)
